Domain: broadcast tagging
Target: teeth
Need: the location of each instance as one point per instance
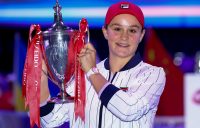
(123, 45)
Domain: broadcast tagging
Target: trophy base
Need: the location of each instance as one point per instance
(60, 100)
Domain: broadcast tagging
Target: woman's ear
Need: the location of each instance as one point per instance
(142, 35)
(104, 30)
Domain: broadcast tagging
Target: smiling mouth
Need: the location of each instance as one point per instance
(122, 45)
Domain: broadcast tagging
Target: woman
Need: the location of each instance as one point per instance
(122, 90)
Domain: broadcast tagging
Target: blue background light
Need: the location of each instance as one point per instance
(41, 12)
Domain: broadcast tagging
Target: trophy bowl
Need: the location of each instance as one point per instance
(55, 51)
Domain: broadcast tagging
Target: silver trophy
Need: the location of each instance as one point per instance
(55, 50)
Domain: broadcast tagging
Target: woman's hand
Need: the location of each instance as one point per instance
(87, 57)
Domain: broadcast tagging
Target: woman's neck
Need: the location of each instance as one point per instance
(117, 63)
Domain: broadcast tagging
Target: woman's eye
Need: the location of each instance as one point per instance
(117, 29)
(132, 31)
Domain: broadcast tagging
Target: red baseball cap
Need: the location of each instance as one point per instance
(124, 8)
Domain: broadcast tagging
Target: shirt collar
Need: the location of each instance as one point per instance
(136, 59)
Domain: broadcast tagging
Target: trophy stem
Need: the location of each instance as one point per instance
(63, 93)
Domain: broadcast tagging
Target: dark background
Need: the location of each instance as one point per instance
(175, 40)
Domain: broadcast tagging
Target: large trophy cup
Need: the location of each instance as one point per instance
(59, 47)
(56, 41)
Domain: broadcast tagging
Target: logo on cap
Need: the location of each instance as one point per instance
(124, 6)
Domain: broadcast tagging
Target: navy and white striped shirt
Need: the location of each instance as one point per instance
(134, 108)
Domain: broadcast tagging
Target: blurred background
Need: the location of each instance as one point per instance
(171, 41)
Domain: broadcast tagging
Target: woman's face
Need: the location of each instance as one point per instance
(124, 33)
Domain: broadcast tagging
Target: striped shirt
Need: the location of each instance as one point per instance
(129, 101)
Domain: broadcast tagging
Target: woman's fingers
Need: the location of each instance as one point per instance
(90, 46)
(87, 57)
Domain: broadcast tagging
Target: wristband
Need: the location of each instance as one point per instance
(92, 71)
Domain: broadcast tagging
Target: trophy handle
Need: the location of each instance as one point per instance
(88, 35)
(84, 29)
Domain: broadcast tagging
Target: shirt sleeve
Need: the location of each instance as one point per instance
(141, 97)
(54, 115)
(103, 88)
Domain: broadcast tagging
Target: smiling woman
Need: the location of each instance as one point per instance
(176, 31)
(174, 39)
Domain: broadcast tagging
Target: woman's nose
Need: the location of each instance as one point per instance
(124, 35)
